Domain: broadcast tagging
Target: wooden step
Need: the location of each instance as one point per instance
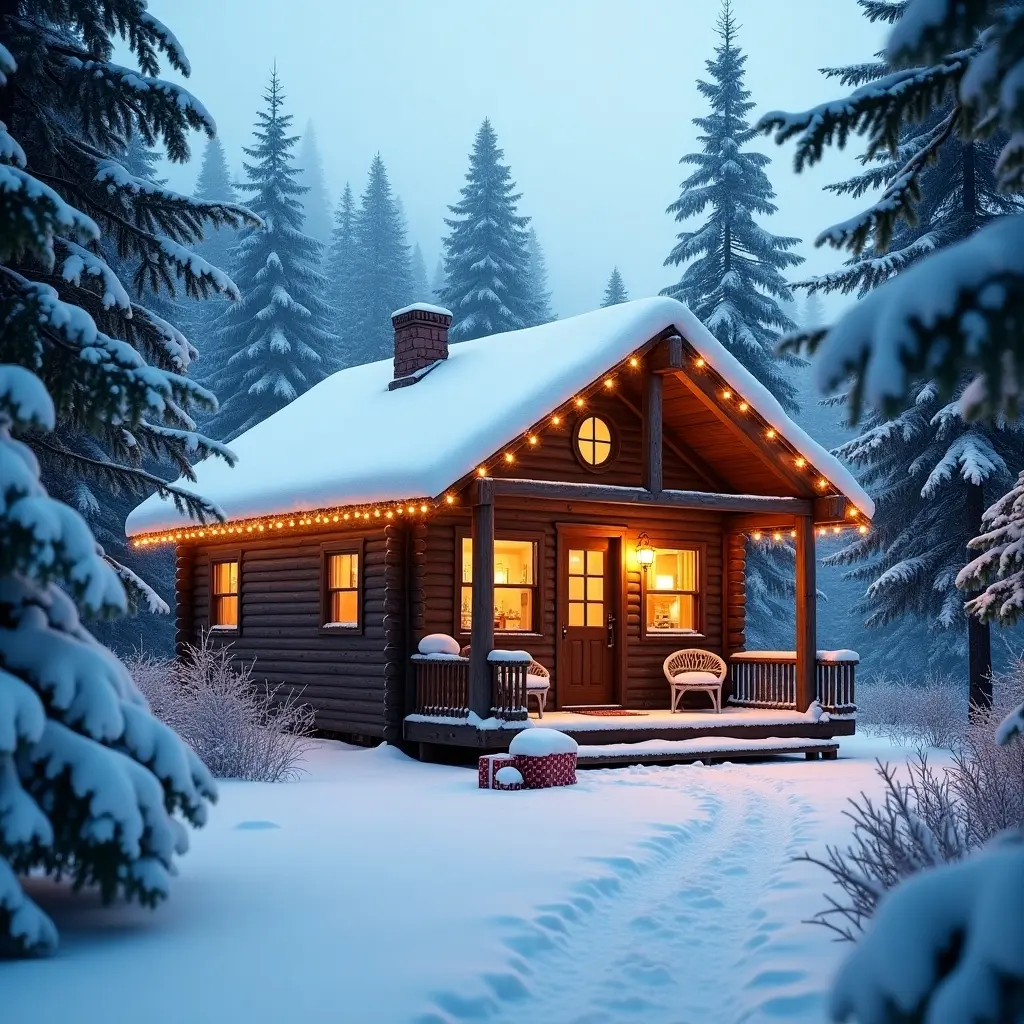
(705, 749)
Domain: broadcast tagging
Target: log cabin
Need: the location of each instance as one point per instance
(584, 491)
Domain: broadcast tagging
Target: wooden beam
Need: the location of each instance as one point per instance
(482, 631)
(701, 386)
(745, 522)
(833, 508)
(806, 614)
(667, 355)
(688, 458)
(653, 474)
(557, 491)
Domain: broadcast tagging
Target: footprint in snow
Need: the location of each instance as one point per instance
(256, 826)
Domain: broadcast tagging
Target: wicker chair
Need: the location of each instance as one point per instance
(695, 669)
(538, 682)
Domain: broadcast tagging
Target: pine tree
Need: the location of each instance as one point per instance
(420, 291)
(276, 342)
(615, 290)
(316, 204)
(214, 183)
(440, 281)
(382, 274)
(90, 782)
(486, 261)
(814, 312)
(341, 269)
(733, 280)
(540, 295)
(933, 472)
(938, 320)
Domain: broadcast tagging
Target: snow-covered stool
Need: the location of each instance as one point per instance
(546, 757)
(508, 778)
(488, 767)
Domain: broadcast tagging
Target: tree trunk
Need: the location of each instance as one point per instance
(979, 640)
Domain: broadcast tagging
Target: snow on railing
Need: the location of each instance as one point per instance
(767, 679)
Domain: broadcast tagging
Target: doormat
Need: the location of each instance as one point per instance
(612, 713)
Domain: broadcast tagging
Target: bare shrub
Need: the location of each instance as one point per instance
(240, 728)
(938, 816)
(931, 712)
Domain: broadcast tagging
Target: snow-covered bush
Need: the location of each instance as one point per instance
(932, 711)
(240, 728)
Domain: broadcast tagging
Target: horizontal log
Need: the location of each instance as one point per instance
(607, 494)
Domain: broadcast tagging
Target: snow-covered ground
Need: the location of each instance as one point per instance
(378, 889)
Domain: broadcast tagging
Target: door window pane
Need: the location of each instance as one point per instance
(575, 613)
(575, 588)
(595, 614)
(595, 563)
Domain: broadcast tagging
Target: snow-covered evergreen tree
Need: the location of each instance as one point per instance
(420, 290)
(814, 312)
(214, 183)
(614, 290)
(932, 471)
(92, 787)
(277, 340)
(316, 203)
(382, 275)
(341, 268)
(439, 281)
(733, 278)
(946, 317)
(733, 282)
(540, 294)
(486, 260)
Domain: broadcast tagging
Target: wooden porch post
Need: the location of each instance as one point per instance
(482, 635)
(653, 475)
(806, 614)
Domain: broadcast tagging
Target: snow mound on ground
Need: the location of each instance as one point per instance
(438, 643)
(539, 742)
(509, 776)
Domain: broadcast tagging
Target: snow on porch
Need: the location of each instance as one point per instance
(569, 721)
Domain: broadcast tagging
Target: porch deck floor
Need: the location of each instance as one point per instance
(663, 719)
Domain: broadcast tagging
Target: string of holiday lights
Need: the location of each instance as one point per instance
(557, 421)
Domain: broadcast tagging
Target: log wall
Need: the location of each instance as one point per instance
(355, 682)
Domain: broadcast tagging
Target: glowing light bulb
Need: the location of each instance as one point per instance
(449, 499)
(800, 462)
(390, 515)
(579, 403)
(376, 513)
(835, 529)
(481, 471)
(776, 536)
(509, 457)
(862, 528)
(412, 509)
(744, 407)
(822, 483)
(608, 382)
(770, 433)
(556, 420)
(792, 534)
(634, 362)
(727, 394)
(700, 360)
(532, 439)
(423, 508)
(757, 535)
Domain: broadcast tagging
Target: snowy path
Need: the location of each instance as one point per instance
(688, 934)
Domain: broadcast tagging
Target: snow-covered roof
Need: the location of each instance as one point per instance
(351, 441)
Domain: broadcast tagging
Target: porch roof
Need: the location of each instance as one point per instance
(351, 441)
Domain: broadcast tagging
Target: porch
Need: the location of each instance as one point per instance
(760, 716)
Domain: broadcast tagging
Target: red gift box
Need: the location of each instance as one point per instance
(488, 764)
(547, 770)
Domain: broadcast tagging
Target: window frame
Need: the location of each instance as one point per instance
(671, 636)
(537, 538)
(218, 557)
(613, 432)
(349, 546)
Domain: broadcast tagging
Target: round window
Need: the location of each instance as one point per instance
(594, 441)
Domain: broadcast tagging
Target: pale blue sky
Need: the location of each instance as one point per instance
(592, 101)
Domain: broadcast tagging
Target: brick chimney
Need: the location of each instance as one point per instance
(421, 341)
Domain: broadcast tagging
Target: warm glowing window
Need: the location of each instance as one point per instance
(586, 588)
(224, 600)
(594, 441)
(515, 585)
(343, 590)
(672, 593)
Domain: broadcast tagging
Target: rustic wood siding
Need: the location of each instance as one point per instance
(345, 676)
(645, 684)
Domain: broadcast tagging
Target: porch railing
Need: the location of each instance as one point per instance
(442, 685)
(508, 684)
(767, 679)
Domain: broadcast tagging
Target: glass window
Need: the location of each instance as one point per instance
(224, 600)
(594, 441)
(586, 588)
(515, 585)
(343, 589)
(672, 592)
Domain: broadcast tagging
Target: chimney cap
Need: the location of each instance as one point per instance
(424, 307)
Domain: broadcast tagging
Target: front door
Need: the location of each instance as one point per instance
(587, 626)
